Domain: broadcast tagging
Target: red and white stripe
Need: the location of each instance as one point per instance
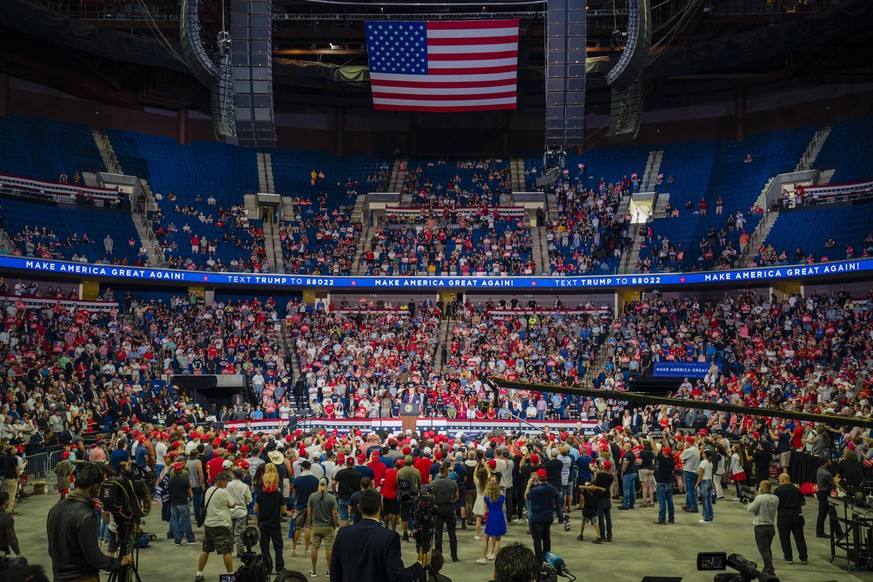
(472, 66)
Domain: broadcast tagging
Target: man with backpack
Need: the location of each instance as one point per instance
(217, 536)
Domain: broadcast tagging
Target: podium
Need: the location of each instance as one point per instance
(409, 416)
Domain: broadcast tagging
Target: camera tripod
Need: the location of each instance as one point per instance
(128, 531)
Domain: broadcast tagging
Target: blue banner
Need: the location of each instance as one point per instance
(681, 369)
(133, 274)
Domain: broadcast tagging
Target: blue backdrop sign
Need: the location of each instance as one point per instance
(133, 274)
(681, 369)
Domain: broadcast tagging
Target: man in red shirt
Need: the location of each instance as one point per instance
(423, 464)
(378, 468)
(213, 467)
(390, 507)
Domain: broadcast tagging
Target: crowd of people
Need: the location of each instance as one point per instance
(587, 235)
(456, 241)
(335, 488)
(319, 240)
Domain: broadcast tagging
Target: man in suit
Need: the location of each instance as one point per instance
(366, 551)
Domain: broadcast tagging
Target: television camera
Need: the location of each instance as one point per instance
(255, 567)
(127, 495)
(746, 571)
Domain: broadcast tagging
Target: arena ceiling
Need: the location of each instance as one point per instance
(125, 52)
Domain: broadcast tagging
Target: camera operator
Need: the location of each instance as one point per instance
(445, 493)
(764, 507)
(8, 539)
(72, 532)
(516, 563)
(368, 551)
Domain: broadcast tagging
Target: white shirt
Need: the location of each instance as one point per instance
(218, 510)
(707, 470)
(242, 497)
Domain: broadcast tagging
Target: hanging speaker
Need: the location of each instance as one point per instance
(639, 40)
(251, 51)
(566, 34)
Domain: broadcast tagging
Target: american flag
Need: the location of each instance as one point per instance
(467, 65)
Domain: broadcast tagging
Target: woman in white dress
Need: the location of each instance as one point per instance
(480, 476)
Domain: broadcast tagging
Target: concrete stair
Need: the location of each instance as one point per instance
(629, 259)
(265, 173)
(273, 246)
(824, 177)
(144, 230)
(107, 152)
(653, 167)
(359, 267)
(90, 179)
(660, 210)
(807, 160)
(398, 174)
(517, 167)
(251, 205)
(445, 327)
(540, 250)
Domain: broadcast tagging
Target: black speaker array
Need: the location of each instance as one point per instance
(566, 33)
(251, 51)
(630, 64)
(627, 111)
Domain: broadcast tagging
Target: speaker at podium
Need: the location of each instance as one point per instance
(409, 416)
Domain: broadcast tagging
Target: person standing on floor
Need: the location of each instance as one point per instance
(628, 478)
(764, 506)
(704, 483)
(323, 518)
(242, 497)
(664, 470)
(603, 481)
(217, 535)
(789, 519)
(446, 495)
(179, 489)
(825, 483)
(690, 458)
(270, 508)
(541, 495)
(495, 524)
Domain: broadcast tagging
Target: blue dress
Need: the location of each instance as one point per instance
(495, 525)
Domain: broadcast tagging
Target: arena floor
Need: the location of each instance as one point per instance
(640, 548)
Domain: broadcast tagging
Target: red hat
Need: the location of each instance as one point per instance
(341, 457)
(564, 435)
(65, 455)
(541, 473)
(126, 429)
(703, 432)
(177, 467)
(492, 463)
(187, 425)
(288, 438)
(534, 459)
(216, 443)
(362, 458)
(232, 429)
(244, 449)
(407, 451)
(141, 440)
(350, 460)
(328, 446)
(398, 463)
(666, 451)
(689, 439)
(358, 432)
(99, 439)
(756, 434)
(204, 438)
(607, 465)
(438, 455)
(243, 464)
(374, 455)
(175, 445)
